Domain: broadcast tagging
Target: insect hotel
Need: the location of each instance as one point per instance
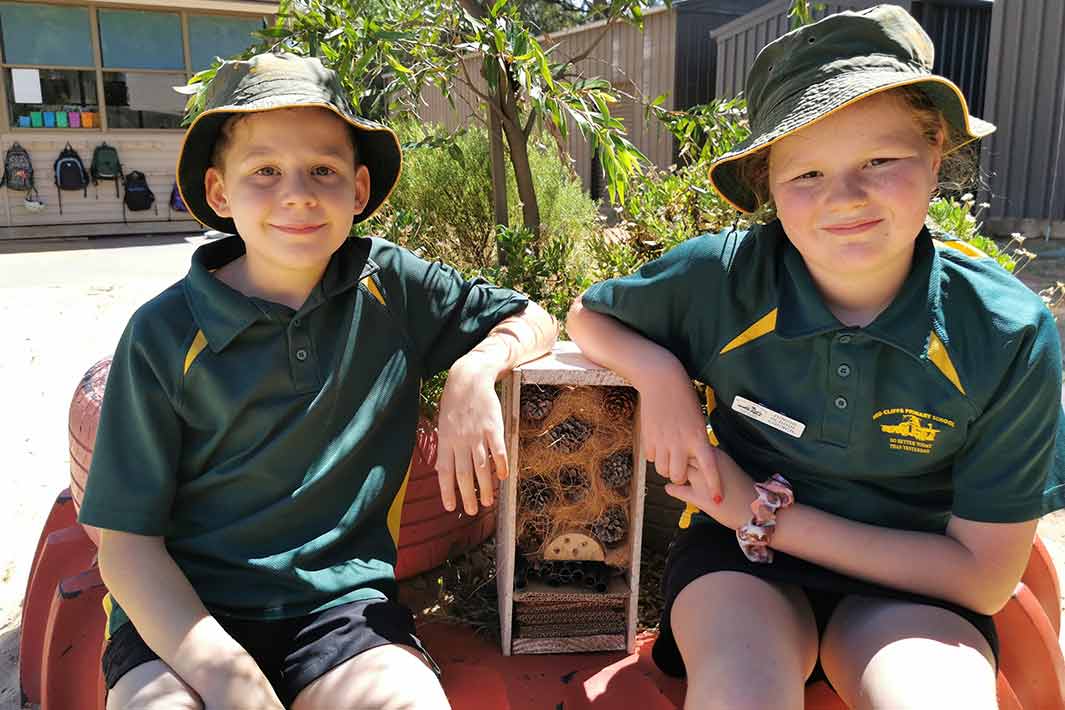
(570, 514)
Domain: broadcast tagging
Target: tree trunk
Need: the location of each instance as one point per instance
(498, 166)
(519, 160)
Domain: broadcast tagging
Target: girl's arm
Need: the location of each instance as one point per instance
(470, 421)
(168, 614)
(973, 564)
(672, 425)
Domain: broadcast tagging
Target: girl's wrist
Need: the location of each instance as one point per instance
(754, 537)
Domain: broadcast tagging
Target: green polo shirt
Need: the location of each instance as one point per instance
(948, 403)
(268, 446)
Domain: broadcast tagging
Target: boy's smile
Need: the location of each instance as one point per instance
(290, 182)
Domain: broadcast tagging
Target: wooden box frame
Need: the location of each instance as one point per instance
(565, 365)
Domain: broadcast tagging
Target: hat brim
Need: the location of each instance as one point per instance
(378, 149)
(822, 100)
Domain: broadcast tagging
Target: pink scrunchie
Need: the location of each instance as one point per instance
(773, 494)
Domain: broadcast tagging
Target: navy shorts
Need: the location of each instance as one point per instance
(710, 547)
(292, 653)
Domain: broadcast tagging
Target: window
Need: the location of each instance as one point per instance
(143, 100)
(56, 78)
(54, 35)
(134, 39)
(213, 36)
(65, 98)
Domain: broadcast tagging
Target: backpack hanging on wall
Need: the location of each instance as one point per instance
(176, 203)
(70, 173)
(138, 196)
(18, 169)
(105, 166)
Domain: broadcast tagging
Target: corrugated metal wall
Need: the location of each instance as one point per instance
(696, 52)
(1026, 100)
(961, 31)
(639, 64)
(739, 42)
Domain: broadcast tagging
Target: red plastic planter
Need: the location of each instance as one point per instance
(428, 534)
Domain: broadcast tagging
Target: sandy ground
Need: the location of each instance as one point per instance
(64, 304)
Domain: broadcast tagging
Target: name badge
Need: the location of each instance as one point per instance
(768, 417)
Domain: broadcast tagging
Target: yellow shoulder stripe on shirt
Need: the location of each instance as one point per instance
(198, 344)
(765, 324)
(964, 247)
(109, 608)
(937, 353)
(372, 288)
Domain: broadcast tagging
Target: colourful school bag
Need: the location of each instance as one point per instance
(70, 173)
(18, 169)
(105, 165)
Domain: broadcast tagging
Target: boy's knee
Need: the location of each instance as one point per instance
(389, 677)
(152, 686)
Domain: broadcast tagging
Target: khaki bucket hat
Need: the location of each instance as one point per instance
(815, 70)
(268, 82)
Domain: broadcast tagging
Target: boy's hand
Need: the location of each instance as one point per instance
(673, 429)
(470, 430)
(734, 510)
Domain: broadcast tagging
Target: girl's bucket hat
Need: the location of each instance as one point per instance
(815, 70)
(268, 82)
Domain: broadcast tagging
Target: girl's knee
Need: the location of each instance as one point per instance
(880, 653)
(744, 641)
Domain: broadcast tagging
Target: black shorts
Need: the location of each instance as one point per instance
(709, 547)
(292, 653)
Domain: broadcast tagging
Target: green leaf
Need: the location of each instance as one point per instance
(494, 12)
(394, 63)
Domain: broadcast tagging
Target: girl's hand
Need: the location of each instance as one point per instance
(470, 430)
(673, 430)
(734, 510)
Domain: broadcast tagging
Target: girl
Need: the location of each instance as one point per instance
(897, 399)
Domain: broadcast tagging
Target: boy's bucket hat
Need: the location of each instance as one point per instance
(817, 69)
(267, 82)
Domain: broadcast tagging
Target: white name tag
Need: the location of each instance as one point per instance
(767, 416)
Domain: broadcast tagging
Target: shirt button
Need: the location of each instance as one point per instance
(297, 322)
(844, 370)
(301, 354)
(844, 339)
(841, 402)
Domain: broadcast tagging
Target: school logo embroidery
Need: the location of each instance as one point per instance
(911, 430)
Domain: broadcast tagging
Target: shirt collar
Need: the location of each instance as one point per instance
(905, 323)
(223, 313)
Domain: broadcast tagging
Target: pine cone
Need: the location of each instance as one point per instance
(536, 401)
(610, 528)
(535, 493)
(533, 533)
(616, 470)
(574, 482)
(620, 402)
(570, 435)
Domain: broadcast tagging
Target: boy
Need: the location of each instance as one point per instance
(259, 417)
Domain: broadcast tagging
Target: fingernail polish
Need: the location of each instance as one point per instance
(718, 499)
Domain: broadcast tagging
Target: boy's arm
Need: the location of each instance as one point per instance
(470, 420)
(158, 598)
(672, 426)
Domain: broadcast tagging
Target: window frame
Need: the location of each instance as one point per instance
(99, 69)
